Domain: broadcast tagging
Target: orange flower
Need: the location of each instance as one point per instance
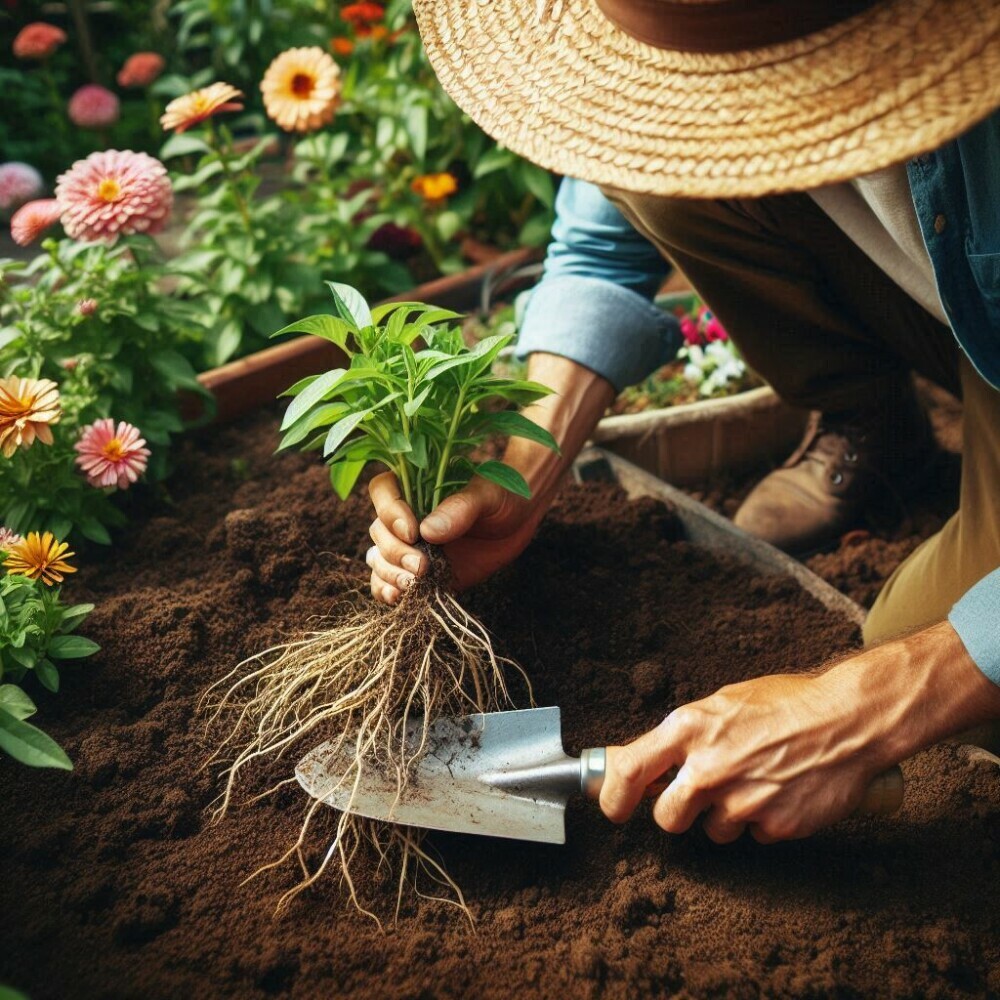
(434, 187)
(40, 557)
(184, 112)
(301, 89)
(342, 46)
(27, 407)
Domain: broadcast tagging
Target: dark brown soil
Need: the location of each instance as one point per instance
(116, 886)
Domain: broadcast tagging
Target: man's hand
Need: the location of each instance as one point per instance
(481, 529)
(484, 527)
(786, 755)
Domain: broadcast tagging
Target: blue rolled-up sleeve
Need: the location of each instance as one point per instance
(976, 619)
(593, 304)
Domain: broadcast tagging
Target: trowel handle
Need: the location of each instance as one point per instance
(883, 798)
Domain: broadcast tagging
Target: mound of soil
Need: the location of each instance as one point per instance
(116, 886)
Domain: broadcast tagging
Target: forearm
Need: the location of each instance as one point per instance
(579, 399)
(912, 692)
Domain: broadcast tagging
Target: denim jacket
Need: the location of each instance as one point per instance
(594, 306)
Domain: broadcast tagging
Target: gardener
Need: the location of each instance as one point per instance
(845, 158)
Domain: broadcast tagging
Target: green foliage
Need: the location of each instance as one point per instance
(414, 397)
(127, 360)
(36, 635)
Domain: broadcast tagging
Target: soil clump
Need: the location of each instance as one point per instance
(116, 886)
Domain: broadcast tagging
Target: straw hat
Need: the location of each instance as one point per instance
(723, 98)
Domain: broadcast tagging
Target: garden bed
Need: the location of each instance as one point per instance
(117, 886)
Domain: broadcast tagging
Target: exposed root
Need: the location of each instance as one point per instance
(372, 685)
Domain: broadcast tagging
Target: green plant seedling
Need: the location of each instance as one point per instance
(413, 397)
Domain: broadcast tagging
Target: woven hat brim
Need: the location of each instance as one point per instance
(557, 83)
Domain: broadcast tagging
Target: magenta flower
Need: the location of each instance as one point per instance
(111, 456)
(93, 107)
(19, 182)
(690, 332)
(114, 193)
(86, 307)
(31, 220)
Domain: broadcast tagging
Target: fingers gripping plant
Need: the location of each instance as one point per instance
(417, 400)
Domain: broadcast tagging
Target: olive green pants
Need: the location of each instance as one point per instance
(830, 331)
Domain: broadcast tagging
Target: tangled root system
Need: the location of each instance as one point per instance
(373, 683)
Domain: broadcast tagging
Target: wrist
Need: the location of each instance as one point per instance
(907, 694)
(578, 400)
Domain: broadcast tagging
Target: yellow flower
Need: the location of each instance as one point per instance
(301, 89)
(183, 112)
(27, 407)
(434, 187)
(40, 557)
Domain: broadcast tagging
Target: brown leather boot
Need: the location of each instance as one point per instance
(843, 467)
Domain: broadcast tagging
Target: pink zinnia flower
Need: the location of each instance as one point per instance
(110, 456)
(38, 40)
(19, 182)
(31, 220)
(114, 193)
(140, 69)
(86, 307)
(93, 107)
(8, 538)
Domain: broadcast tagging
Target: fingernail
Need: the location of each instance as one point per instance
(438, 523)
(401, 529)
(405, 580)
(412, 563)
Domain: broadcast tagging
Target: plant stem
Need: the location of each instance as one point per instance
(222, 150)
(446, 451)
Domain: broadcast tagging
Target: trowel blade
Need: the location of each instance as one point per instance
(452, 786)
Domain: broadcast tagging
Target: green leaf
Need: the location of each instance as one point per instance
(71, 617)
(48, 675)
(343, 476)
(518, 425)
(539, 183)
(23, 655)
(322, 417)
(328, 327)
(417, 455)
(340, 430)
(294, 390)
(493, 159)
(9, 993)
(503, 475)
(29, 745)
(350, 304)
(175, 367)
(183, 145)
(91, 528)
(71, 647)
(311, 395)
(16, 701)
(411, 406)
(416, 128)
(399, 443)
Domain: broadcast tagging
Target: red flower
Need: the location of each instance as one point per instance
(38, 40)
(140, 69)
(363, 14)
(397, 242)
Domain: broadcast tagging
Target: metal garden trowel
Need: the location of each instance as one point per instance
(503, 774)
